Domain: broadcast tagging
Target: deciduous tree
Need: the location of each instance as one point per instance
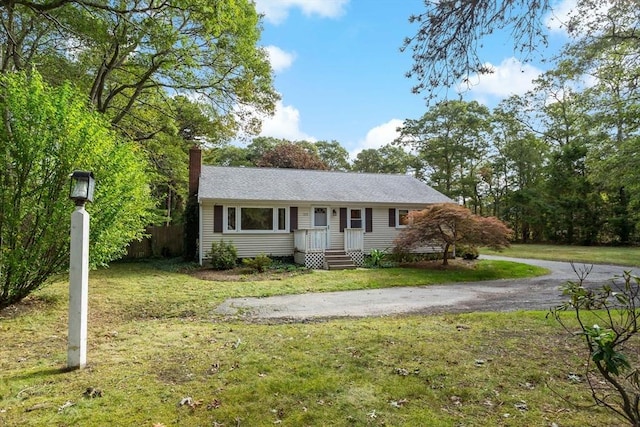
(451, 140)
(334, 155)
(128, 56)
(290, 156)
(157, 70)
(449, 224)
(386, 159)
(450, 33)
(46, 133)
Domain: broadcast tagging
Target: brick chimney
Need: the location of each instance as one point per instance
(195, 166)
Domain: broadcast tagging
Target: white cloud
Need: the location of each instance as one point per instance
(559, 16)
(511, 77)
(285, 123)
(378, 136)
(280, 60)
(277, 11)
(566, 10)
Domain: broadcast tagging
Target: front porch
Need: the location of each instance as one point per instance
(312, 248)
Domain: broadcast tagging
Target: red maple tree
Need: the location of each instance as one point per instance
(448, 224)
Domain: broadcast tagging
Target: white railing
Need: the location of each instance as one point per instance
(316, 240)
(353, 239)
(310, 240)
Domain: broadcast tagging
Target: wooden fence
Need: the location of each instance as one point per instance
(165, 241)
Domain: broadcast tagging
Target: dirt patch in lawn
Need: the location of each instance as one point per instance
(453, 265)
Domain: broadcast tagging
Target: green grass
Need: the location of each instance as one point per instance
(627, 256)
(154, 340)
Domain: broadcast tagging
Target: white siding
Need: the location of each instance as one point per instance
(281, 244)
(248, 244)
(304, 217)
(336, 238)
(382, 236)
(206, 227)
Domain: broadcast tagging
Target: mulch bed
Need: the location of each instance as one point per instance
(243, 274)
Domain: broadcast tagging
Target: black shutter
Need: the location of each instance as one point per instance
(343, 219)
(368, 217)
(293, 218)
(217, 219)
(392, 217)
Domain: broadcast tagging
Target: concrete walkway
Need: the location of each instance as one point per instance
(539, 293)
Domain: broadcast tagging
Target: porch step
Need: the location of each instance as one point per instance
(338, 260)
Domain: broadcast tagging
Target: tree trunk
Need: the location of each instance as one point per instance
(445, 255)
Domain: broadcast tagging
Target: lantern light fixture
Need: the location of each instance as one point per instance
(83, 185)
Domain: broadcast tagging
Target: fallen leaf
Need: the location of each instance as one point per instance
(185, 401)
(575, 378)
(401, 371)
(92, 392)
(522, 405)
(188, 401)
(399, 403)
(66, 405)
(215, 404)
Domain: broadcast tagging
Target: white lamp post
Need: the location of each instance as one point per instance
(81, 191)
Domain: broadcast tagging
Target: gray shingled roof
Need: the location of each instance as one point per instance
(254, 184)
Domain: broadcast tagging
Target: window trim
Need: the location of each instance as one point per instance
(238, 220)
(313, 216)
(362, 218)
(398, 225)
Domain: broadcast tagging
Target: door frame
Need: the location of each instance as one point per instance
(326, 228)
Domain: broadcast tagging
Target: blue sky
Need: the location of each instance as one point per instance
(341, 75)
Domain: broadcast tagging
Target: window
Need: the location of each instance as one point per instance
(320, 217)
(403, 217)
(282, 219)
(355, 218)
(256, 219)
(231, 219)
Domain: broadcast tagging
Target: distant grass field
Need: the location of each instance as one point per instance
(158, 356)
(629, 256)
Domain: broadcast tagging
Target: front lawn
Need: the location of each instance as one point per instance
(159, 356)
(627, 256)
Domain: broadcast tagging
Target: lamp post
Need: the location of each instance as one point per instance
(81, 191)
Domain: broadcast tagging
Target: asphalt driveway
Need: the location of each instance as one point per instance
(539, 293)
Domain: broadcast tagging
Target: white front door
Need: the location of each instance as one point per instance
(321, 221)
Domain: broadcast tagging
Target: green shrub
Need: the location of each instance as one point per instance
(259, 263)
(378, 259)
(469, 252)
(610, 345)
(285, 264)
(223, 255)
